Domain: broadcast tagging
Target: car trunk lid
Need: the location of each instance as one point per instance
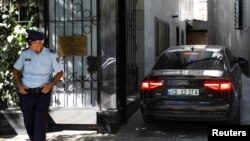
(188, 85)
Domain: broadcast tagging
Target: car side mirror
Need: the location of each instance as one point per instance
(244, 65)
(241, 60)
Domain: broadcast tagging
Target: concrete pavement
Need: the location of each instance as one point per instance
(136, 130)
(77, 136)
(70, 135)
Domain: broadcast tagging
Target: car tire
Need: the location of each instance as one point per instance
(240, 89)
(148, 118)
(236, 119)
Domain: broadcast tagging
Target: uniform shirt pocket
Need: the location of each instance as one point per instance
(28, 67)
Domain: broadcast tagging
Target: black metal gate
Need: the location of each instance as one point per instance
(126, 58)
(75, 18)
(131, 64)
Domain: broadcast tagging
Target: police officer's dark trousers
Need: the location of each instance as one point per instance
(34, 106)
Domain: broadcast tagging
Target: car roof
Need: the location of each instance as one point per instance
(214, 48)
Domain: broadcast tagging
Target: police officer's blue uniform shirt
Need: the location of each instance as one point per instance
(37, 69)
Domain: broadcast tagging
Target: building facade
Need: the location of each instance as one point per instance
(161, 24)
(122, 40)
(228, 25)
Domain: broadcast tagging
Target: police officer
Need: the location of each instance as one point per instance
(33, 73)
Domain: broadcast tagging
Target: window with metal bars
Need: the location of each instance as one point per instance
(26, 10)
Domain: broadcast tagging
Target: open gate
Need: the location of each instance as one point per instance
(77, 92)
(126, 59)
(131, 64)
(74, 18)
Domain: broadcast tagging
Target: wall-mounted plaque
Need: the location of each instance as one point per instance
(72, 45)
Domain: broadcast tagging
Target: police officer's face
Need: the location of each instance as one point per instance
(36, 46)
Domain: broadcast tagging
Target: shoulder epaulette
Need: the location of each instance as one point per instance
(52, 51)
(25, 49)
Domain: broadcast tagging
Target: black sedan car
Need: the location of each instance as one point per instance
(193, 83)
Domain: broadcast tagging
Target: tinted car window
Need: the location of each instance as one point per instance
(230, 58)
(208, 60)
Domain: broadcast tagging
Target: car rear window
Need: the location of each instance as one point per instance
(205, 60)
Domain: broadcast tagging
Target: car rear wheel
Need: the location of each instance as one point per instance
(236, 119)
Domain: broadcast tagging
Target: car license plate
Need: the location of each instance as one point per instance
(183, 92)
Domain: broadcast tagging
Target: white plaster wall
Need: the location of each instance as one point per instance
(211, 21)
(163, 10)
(140, 39)
(221, 27)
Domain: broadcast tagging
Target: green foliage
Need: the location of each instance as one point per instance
(12, 41)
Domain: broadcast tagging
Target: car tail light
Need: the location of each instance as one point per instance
(151, 84)
(219, 85)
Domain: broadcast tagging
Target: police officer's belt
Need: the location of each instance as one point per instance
(35, 90)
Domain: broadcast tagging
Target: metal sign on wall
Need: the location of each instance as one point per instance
(72, 45)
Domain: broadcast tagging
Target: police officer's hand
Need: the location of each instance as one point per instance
(22, 89)
(46, 88)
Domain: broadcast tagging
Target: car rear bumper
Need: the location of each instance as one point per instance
(189, 112)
